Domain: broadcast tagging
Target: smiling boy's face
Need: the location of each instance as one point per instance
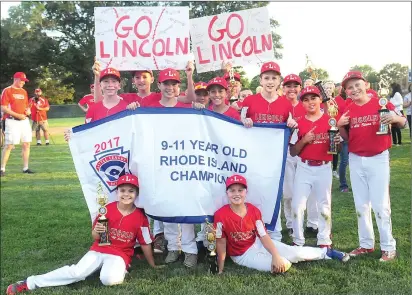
(127, 193)
(236, 194)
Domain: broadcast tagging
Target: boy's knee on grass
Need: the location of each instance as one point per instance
(111, 280)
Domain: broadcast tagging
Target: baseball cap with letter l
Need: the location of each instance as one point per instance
(128, 179)
(309, 90)
(217, 81)
(236, 179)
(110, 72)
(292, 78)
(236, 76)
(37, 90)
(21, 76)
(200, 86)
(169, 74)
(352, 75)
(270, 66)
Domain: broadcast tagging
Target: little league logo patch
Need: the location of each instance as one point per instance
(110, 165)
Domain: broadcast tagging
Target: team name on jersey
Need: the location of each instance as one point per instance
(18, 96)
(242, 236)
(120, 235)
(364, 121)
(268, 118)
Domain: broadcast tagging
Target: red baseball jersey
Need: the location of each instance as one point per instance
(38, 115)
(317, 150)
(231, 112)
(150, 99)
(261, 111)
(298, 111)
(99, 111)
(363, 125)
(341, 103)
(240, 233)
(87, 99)
(131, 97)
(123, 232)
(15, 98)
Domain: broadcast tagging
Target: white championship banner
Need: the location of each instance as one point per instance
(140, 37)
(182, 158)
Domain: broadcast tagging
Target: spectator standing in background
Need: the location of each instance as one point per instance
(397, 100)
(408, 107)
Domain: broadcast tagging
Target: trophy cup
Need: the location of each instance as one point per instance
(102, 200)
(383, 92)
(210, 232)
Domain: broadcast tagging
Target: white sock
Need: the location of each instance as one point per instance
(47, 141)
(3, 169)
(39, 141)
(25, 168)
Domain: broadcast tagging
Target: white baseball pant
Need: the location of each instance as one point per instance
(370, 177)
(318, 181)
(277, 233)
(257, 257)
(180, 236)
(113, 270)
(17, 131)
(312, 208)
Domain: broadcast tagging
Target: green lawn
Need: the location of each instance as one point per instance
(45, 224)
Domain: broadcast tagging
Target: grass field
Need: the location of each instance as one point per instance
(45, 224)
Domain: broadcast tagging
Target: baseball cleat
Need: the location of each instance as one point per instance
(190, 260)
(360, 251)
(158, 244)
(28, 171)
(18, 287)
(172, 256)
(388, 256)
(338, 255)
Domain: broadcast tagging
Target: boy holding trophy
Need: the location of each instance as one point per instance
(365, 125)
(241, 233)
(317, 141)
(126, 223)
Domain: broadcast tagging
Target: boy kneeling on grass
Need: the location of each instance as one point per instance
(126, 224)
(238, 225)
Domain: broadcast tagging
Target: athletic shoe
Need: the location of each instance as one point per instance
(2, 173)
(38, 143)
(344, 190)
(338, 255)
(18, 287)
(360, 251)
(172, 256)
(47, 143)
(388, 256)
(28, 171)
(335, 174)
(158, 244)
(190, 260)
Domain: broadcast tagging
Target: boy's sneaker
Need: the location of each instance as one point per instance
(335, 174)
(172, 256)
(158, 244)
(360, 251)
(17, 288)
(338, 255)
(388, 256)
(38, 143)
(190, 260)
(28, 171)
(47, 143)
(2, 173)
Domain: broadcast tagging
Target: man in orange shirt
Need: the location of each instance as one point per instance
(15, 104)
(39, 108)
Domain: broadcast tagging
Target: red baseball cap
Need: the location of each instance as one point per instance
(217, 81)
(200, 86)
(37, 90)
(236, 179)
(110, 72)
(310, 90)
(352, 75)
(21, 76)
(169, 74)
(128, 179)
(236, 76)
(292, 78)
(142, 71)
(270, 66)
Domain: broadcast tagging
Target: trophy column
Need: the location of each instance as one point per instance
(102, 200)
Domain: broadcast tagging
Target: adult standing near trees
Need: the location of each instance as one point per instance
(407, 104)
(15, 104)
(397, 100)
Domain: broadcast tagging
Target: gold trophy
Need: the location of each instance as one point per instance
(102, 200)
(232, 82)
(383, 92)
(210, 233)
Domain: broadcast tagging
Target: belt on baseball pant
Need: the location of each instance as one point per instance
(315, 162)
(15, 119)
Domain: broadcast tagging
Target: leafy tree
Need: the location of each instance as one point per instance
(394, 72)
(319, 73)
(254, 83)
